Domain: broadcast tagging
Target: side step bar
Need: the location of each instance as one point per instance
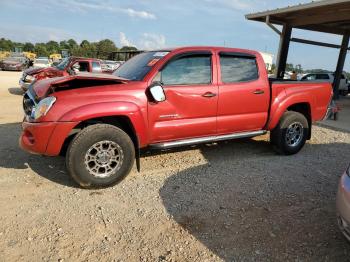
(208, 139)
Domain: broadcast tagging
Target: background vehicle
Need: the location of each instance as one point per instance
(328, 77)
(55, 57)
(163, 99)
(67, 66)
(110, 66)
(343, 203)
(14, 63)
(31, 56)
(42, 62)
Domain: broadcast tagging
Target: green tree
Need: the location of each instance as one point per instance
(64, 45)
(40, 49)
(104, 48)
(28, 47)
(6, 45)
(72, 44)
(85, 43)
(52, 47)
(128, 48)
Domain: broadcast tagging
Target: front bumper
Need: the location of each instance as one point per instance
(343, 205)
(44, 138)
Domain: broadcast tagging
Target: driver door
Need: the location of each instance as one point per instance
(190, 107)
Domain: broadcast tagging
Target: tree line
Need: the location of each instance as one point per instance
(101, 49)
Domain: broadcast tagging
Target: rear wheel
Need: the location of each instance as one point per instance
(290, 135)
(100, 156)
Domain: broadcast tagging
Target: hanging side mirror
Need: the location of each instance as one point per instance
(157, 92)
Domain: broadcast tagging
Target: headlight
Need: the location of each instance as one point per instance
(41, 108)
(29, 78)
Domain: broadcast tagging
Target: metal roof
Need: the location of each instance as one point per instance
(329, 16)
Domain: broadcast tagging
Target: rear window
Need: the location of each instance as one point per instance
(238, 69)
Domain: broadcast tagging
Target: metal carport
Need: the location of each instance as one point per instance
(329, 16)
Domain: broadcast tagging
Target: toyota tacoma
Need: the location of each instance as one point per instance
(162, 99)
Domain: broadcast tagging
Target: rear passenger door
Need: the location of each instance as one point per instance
(244, 94)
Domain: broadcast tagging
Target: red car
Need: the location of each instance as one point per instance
(164, 99)
(66, 67)
(14, 63)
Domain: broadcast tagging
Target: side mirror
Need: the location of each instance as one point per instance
(157, 92)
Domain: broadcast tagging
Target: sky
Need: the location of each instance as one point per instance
(150, 24)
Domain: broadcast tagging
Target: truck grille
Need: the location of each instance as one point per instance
(28, 104)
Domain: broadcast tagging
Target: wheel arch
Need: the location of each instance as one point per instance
(121, 121)
(303, 108)
(299, 102)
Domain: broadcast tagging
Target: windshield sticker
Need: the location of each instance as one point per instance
(152, 62)
(161, 54)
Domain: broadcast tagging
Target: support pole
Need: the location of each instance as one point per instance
(340, 65)
(283, 50)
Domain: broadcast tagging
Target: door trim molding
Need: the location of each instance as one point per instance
(208, 139)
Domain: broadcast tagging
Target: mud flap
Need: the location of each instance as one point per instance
(138, 165)
(137, 154)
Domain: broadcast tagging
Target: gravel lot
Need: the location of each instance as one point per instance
(233, 201)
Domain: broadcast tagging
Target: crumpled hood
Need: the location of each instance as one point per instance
(43, 87)
(36, 70)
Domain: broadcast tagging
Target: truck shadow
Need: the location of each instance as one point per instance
(16, 91)
(11, 156)
(248, 204)
(245, 203)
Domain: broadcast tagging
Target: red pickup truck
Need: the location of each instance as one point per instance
(67, 66)
(164, 99)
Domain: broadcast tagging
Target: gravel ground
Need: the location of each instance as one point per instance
(233, 201)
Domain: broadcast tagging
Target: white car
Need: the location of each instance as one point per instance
(42, 62)
(109, 65)
(328, 77)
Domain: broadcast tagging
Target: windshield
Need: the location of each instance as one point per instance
(62, 65)
(137, 67)
(13, 59)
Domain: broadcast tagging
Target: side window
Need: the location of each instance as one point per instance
(81, 66)
(96, 67)
(238, 69)
(310, 77)
(187, 70)
(322, 77)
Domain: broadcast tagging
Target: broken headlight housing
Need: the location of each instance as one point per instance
(42, 108)
(29, 78)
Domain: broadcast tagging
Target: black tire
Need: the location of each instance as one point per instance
(344, 92)
(278, 135)
(81, 145)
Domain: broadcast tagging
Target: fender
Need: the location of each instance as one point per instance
(130, 110)
(281, 103)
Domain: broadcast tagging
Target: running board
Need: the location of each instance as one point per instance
(208, 139)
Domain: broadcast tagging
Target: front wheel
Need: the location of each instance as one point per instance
(289, 136)
(100, 155)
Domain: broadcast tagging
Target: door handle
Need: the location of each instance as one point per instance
(208, 94)
(258, 92)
